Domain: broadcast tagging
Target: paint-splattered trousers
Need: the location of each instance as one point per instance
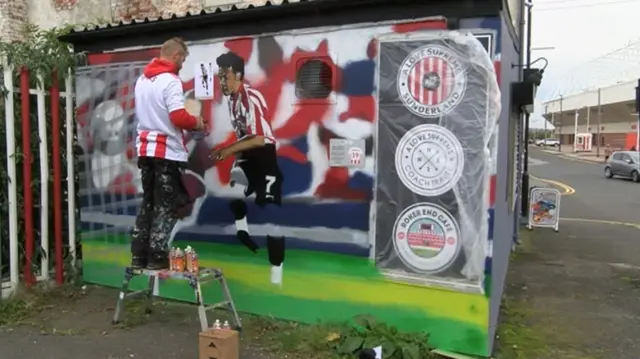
(163, 195)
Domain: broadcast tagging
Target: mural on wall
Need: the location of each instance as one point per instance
(438, 108)
(327, 210)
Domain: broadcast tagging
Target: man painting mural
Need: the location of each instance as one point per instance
(161, 117)
(256, 164)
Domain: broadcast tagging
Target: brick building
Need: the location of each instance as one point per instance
(14, 14)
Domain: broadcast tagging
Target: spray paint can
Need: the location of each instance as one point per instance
(172, 259)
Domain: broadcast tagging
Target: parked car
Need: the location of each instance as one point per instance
(623, 164)
(552, 142)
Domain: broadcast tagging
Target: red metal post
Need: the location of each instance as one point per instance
(26, 174)
(57, 176)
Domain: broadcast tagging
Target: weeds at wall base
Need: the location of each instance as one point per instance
(26, 303)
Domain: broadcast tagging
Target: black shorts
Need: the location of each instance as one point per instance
(260, 166)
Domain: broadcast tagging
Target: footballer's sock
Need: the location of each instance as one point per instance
(239, 210)
(276, 251)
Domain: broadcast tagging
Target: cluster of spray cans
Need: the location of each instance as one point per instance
(184, 260)
(218, 325)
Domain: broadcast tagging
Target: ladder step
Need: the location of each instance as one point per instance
(136, 293)
(217, 305)
(195, 281)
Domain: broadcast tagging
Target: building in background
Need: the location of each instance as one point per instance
(618, 119)
(607, 83)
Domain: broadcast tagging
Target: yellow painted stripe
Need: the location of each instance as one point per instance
(568, 190)
(464, 307)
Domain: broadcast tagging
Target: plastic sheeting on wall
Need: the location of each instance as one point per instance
(439, 103)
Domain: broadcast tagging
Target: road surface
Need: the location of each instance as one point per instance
(580, 285)
(596, 196)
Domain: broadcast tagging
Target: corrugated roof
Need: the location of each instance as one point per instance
(207, 10)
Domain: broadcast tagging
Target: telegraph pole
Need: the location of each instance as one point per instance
(638, 112)
(560, 130)
(546, 110)
(525, 170)
(598, 131)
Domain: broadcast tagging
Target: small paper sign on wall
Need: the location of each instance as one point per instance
(203, 81)
(347, 153)
(544, 208)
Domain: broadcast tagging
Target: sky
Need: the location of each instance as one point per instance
(578, 31)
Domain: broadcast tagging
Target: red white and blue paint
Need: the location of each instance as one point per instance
(326, 209)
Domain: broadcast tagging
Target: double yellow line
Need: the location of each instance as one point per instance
(568, 190)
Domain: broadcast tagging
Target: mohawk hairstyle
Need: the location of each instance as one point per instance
(233, 61)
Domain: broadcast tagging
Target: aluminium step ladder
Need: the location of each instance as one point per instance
(204, 276)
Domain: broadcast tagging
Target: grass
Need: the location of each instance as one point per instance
(267, 336)
(282, 339)
(21, 309)
(522, 334)
(519, 336)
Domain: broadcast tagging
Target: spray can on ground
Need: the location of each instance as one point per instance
(172, 259)
(187, 256)
(195, 266)
(180, 262)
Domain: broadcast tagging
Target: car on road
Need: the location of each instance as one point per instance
(552, 142)
(623, 164)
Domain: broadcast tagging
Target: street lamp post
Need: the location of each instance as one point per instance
(546, 111)
(638, 111)
(598, 130)
(560, 130)
(525, 171)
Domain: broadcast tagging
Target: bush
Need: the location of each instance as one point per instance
(40, 52)
(367, 333)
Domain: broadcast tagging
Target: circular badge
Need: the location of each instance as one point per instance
(355, 156)
(426, 238)
(432, 81)
(429, 160)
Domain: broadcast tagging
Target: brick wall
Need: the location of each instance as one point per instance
(52, 13)
(139, 9)
(13, 17)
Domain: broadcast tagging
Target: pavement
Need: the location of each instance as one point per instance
(567, 151)
(581, 285)
(77, 325)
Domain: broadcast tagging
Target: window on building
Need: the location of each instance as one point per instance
(314, 78)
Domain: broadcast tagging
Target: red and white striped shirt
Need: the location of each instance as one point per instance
(161, 114)
(248, 112)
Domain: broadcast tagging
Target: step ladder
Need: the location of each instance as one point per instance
(204, 276)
